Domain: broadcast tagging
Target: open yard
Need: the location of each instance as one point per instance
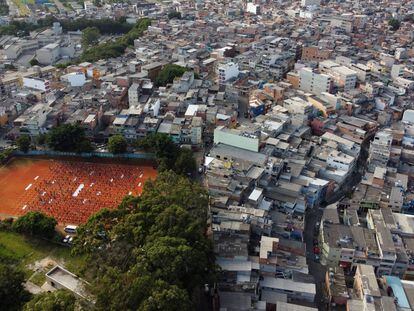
(27, 251)
(70, 191)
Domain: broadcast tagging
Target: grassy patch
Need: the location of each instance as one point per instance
(39, 278)
(27, 250)
(23, 9)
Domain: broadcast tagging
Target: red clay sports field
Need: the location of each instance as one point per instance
(68, 190)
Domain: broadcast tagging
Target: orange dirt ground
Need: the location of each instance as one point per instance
(70, 191)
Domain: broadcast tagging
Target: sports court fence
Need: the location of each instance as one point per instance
(107, 155)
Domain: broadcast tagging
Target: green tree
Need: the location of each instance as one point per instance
(185, 163)
(34, 62)
(68, 137)
(35, 223)
(170, 298)
(60, 300)
(117, 144)
(151, 253)
(169, 155)
(169, 73)
(23, 143)
(164, 148)
(117, 47)
(41, 139)
(90, 36)
(12, 293)
(394, 24)
(174, 14)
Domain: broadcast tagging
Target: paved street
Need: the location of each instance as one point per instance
(314, 215)
(316, 269)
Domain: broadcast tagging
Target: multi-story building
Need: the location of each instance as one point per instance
(227, 72)
(314, 82)
(380, 150)
(133, 94)
(314, 53)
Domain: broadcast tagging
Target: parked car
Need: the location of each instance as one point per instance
(66, 239)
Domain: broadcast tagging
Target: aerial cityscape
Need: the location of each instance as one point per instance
(206, 155)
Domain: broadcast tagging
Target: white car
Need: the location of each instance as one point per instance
(66, 239)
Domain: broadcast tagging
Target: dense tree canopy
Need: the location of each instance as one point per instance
(168, 154)
(105, 25)
(68, 137)
(117, 144)
(394, 23)
(185, 163)
(60, 300)
(116, 48)
(23, 143)
(151, 253)
(90, 36)
(12, 293)
(35, 223)
(168, 73)
(174, 14)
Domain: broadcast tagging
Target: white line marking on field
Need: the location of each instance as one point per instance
(130, 193)
(142, 174)
(139, 185)
(24, 207)
(36, 177)
(28, 187)
(76, 193)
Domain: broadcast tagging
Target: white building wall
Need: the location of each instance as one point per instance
(41, 85)
(133, 95)
(310, 2)
(234, 139)
(228, 71)
(76, 79)
(314, 83)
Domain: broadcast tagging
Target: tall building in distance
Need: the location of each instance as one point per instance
(380, 150)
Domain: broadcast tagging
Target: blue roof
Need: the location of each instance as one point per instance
(398, 290)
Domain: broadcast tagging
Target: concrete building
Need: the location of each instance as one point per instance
(75, 79)
(314, 82)
(48, 54)
(315, 54)
(341, 161)
(37, 84)
(61, 278)
(237, 138)
(305, 3)
(253, 8)
(380, 150)
(133, 95)
(344, 77)
(363, 72)
(227, 72)
(397, 71)
(294, 290)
